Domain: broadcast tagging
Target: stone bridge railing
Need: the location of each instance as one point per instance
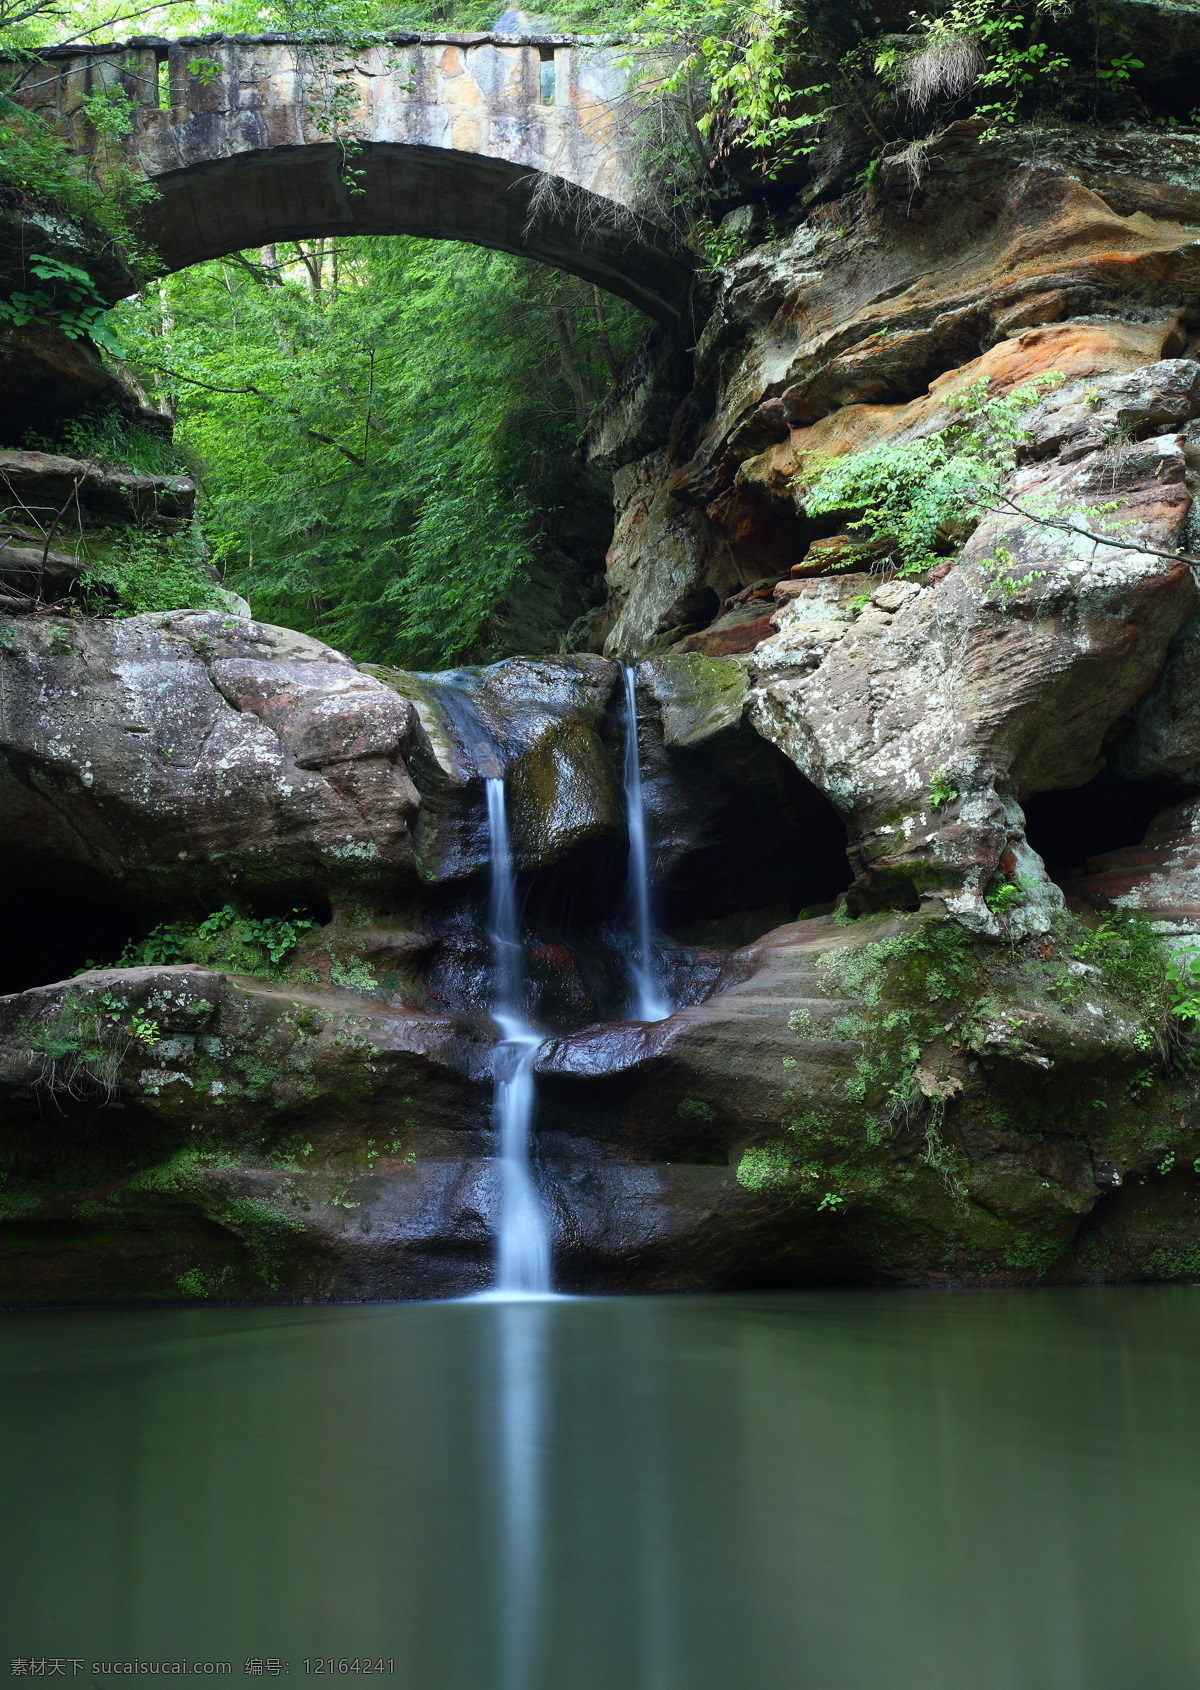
(513, 142)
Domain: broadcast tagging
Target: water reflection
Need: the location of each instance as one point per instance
(520, 1332)
(843, 1492)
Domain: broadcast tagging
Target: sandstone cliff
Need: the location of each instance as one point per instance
(900, 818)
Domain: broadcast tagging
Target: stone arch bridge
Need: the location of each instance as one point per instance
(506, 141)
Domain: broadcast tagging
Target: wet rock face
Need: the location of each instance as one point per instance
(740, 841)
(362, 1170)
(283, 1141)
(1016, 667)
(183, 755)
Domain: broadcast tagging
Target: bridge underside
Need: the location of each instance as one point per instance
(252, 199)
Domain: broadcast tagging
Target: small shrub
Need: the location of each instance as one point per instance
(923, 497)
(225, 940)
(140, 572)
(942, 790)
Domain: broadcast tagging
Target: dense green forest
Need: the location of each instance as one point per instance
(384, 432)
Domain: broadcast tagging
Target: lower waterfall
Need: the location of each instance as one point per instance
(650, 1001)
(523, 1248)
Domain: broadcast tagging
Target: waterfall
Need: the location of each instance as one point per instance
(523, 1253)
(650, 1001)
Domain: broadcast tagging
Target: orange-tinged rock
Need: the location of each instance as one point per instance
(1076, 351)
(729, 639)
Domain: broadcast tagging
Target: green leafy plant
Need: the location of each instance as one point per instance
(134, 571)
(226, 939)
(352, 976)
(47, 166)
(115, 1012)
(85, 1045)
(921, 498)
(1183, 977)
(1004, 896)
(84, 315)
(204, 70)
(942, 790)
(116, 441)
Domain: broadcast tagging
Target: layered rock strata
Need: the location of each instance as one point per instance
(906, 1051)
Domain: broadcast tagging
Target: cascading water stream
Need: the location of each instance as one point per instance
(650, 1001)
(523, 1246)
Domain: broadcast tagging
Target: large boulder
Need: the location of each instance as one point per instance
(1003, 679)
(270, 1141)
(181, 756)
(534, 721)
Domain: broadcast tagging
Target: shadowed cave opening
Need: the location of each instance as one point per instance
(741, 842)
(1068, 827)
(58, 918)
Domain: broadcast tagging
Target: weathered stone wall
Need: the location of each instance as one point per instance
(449, 137)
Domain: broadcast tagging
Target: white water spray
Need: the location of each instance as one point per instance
(523, 1251)
(650, 1001)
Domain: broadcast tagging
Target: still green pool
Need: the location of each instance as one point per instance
(809, 1491)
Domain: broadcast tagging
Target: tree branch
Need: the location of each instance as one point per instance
(344, 450)
(1089, 534)
(175, 376)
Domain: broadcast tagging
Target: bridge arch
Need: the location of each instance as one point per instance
(255, 140)
(252, 199)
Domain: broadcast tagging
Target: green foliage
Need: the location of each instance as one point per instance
(1003, 896)
(387, 456)
(1183, 980)
(85, 313)
(114, 441)
(196, 1283)
(777, 82)
(1002, 583)
(1008, 64)
(1031, 1253)
(718, 247)
(765, 1167)
(352, 976)
(265, 1229)
(85, 1045)
(49, 168)
(138, 570)
(1136, 964)
(922, 497)
(942, 790)
(226, 939)
(695, 1109)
